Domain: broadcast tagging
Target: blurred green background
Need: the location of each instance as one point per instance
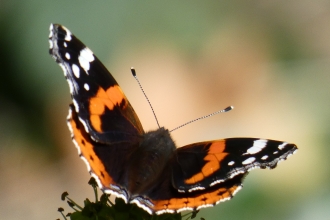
(269, 59)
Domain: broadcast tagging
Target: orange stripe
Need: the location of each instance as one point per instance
(110, 98)
(209, 198)
(87, 152)
(214, 155)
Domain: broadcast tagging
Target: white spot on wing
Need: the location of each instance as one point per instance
(51, 27)
(231, 163)
(85, 58)
(86, 86)
(258, 145)
(50, 44)
(65, 44)
(68, 35)
(281, 146)
(249, 160)
(264, 157)
(67, 55)
(76, 70)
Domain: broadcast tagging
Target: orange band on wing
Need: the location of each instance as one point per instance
(214, 155)
(110, 98)
(210, 198)
(83, 142)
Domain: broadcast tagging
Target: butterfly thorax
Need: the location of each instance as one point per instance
(149, 160)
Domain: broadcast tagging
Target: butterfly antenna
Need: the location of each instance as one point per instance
(136, 78)
(205, 116)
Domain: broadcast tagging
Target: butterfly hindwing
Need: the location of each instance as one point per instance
(99, 102)
(170, 200)
(108, 173)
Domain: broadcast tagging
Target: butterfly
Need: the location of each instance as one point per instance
(147, 168)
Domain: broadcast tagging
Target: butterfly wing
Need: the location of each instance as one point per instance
(167, 199)
(202, 165)
(104, 126)
(107, 164)
(100, 104)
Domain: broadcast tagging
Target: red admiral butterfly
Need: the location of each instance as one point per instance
(146, 168)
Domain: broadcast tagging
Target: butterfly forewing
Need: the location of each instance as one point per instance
(99, 102)
(220, 160)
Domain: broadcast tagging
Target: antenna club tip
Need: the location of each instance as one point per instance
(133, 71)
(228, 108)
